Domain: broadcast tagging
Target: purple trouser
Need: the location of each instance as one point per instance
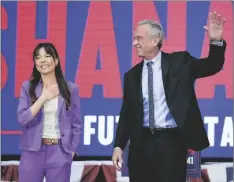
(51, 162)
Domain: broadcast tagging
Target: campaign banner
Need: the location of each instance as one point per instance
(95, 50)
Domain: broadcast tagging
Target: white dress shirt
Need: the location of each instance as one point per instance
(162, 115)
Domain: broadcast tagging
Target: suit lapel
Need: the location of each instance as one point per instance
(38, 89)
(139, 80)
(165, 67)
(60, 103)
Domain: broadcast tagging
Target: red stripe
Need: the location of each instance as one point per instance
(8, 132)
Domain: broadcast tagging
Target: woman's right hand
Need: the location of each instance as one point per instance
(49, 92)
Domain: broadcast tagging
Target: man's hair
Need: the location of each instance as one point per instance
(156, 30)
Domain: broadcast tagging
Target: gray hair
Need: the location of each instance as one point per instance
(156, 30)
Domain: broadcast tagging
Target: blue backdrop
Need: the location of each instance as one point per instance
(94, 41)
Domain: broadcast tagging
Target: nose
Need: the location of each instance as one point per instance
(42, 60)
(134, 42)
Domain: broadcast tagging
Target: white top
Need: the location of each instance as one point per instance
(50, 122)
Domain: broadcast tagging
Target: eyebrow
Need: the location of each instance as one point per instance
(137, 36)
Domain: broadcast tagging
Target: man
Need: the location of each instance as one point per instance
(160, 114)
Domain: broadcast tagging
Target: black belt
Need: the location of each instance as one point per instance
(159, 130)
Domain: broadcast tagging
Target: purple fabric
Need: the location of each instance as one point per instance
(50, 161)
(69, 121)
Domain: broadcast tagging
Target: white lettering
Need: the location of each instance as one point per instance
(88, 129)
(117, 119)
(105, 127)
(211, 121)
(190, 160)
(227, 136)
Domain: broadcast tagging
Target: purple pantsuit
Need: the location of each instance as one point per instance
(51, 161)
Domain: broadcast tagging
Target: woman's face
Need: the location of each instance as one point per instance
(45, 63)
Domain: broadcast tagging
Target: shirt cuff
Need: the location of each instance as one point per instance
(217, 42)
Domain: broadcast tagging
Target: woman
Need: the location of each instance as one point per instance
(49, 113)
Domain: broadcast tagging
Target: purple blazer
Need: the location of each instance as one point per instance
(69, 121)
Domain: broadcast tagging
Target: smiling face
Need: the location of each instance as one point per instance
(44, 62)
(146, 45)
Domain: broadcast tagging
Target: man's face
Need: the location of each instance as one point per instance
(144, 44)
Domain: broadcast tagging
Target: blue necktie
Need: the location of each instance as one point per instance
(151, 96)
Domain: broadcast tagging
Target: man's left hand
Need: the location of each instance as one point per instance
(215, 26)
(73, 153)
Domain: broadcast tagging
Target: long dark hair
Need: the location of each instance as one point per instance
(36, 75)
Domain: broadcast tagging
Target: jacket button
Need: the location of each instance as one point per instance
(62, 135)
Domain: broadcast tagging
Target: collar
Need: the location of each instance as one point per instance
(155, 59)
